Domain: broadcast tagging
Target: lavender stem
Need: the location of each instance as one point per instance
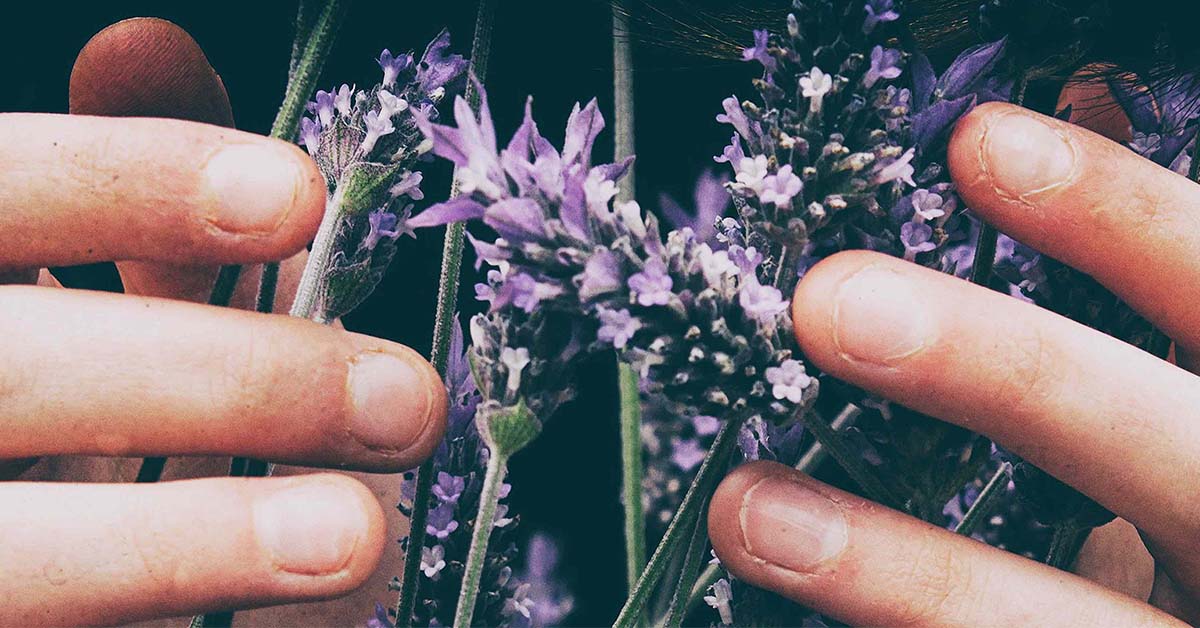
(630, 396)
(710, 472)
(489, 498)
(443, 326)
(986, 502)
(317, 267)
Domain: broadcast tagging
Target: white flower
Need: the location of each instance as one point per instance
(750, 173)
(598, 191)
(377, 126)
(341, 99)
(631, 217)
(788, 381)
(520, 602)
(716, 265)
(391, 105)
(928, 205)
(501, 518)
(900, 169)
(780, 188)
(814, 87)
(432, 560)
(515, 360)
(720, 600)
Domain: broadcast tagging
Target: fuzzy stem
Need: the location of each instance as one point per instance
(631, 473)
(303, 28)
(689, 573)
(317, 267)
(986, 502)
(489, 498)
(852, 463)
(678, 530)
(630, 396)
(302, 80)
(447, 300)
(1065, 544)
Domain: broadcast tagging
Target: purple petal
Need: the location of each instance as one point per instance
(970, 69)
(931, 123)
(582, 128)
(923, 79)
(516, 219)
(454, 210)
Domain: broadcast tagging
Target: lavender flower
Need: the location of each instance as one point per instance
(550, 602)
(366, 143)
(460, 460)
(686, 334)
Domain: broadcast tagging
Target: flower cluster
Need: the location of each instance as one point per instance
(460, 460)
(366, 143)
(694, 320)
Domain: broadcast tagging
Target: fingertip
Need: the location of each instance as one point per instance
(814, 303)
(724, 512)
(397, 402)
(963, 154)
(147, 67)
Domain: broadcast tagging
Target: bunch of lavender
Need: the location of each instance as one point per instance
(460, 460)
(367, 145)
(844, 151)
(696, 321)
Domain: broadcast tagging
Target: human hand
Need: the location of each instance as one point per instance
(105, 375)
(1114, 422)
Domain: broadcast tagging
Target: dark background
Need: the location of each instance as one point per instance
(560, 52)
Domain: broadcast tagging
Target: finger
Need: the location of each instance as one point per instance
(1093, 105)
(1068, 398)
(180, 548)
(150, 67)
(866, 565)
(1114, 557)
(1089, 202)
(77, 189)
(89, 373)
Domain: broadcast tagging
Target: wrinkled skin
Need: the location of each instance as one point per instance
(93, 382)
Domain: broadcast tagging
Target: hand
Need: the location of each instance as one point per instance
(1114, 422)
(106, 375)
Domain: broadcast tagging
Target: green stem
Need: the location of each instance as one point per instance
(986, 502)
(852, 463)
(711, 471)
(630, 397)
(317, 267)
(688, 574)
(303, 28)
(489, 498)
(817, 453)
(1065, 544)
(632, 472)
(447, 300)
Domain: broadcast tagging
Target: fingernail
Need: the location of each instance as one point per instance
(391, 400)
(311, 528)
(788, 524)
(878, 317)
(1024, 155)
(253, 187)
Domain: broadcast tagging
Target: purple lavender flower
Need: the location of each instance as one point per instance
(653, 285)
(448, 487)
(687, 453)
(916, 238)
(885, 64)
(367, 144)
(617, 326)
(635, 268)
(392, 66)
(551, 601)
(879, 11)
(441, 523)
(759, 51)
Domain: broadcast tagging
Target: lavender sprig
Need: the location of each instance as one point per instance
(367, 144)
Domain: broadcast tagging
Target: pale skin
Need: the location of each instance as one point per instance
(93, 381)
